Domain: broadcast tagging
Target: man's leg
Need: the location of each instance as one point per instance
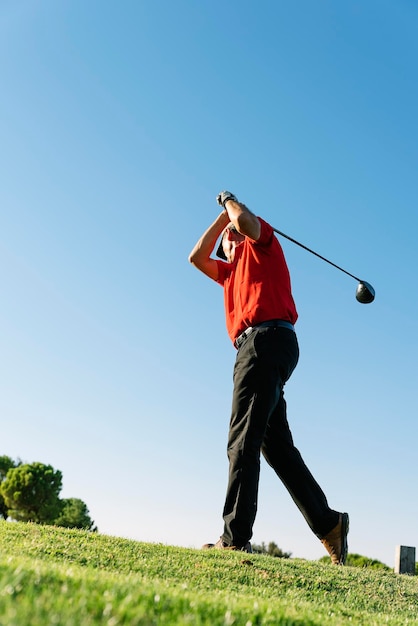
(266, 358)
(280, 452)
(246, 431)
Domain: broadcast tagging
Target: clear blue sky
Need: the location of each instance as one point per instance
(119, 124)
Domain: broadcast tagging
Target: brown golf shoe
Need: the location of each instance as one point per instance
(335, 542)
(221, 545)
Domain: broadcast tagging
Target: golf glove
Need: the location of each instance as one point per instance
(224, 196)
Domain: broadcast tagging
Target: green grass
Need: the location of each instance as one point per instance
(57, 577)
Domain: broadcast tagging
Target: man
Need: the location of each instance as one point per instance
(260, 317)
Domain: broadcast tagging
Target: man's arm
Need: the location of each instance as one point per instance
(243, 219)
(200, 255)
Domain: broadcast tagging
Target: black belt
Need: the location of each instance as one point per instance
(270, 324)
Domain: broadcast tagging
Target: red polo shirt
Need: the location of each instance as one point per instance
(257, 284)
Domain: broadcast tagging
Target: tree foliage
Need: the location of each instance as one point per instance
(29, 492)
(6, 463)
(272, 549)
(74, 514)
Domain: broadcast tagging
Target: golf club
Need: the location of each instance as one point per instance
(364, 292)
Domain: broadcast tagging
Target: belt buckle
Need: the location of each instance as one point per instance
(240, 339)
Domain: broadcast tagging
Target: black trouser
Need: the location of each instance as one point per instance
(264, 362)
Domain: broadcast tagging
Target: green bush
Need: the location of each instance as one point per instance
(357, 560)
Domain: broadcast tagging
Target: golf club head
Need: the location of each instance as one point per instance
(364, 292)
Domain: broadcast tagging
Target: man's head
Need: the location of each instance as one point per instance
(230, 239)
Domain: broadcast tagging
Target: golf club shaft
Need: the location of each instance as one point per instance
(279, 232)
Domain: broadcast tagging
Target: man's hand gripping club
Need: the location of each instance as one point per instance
(222, 197)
